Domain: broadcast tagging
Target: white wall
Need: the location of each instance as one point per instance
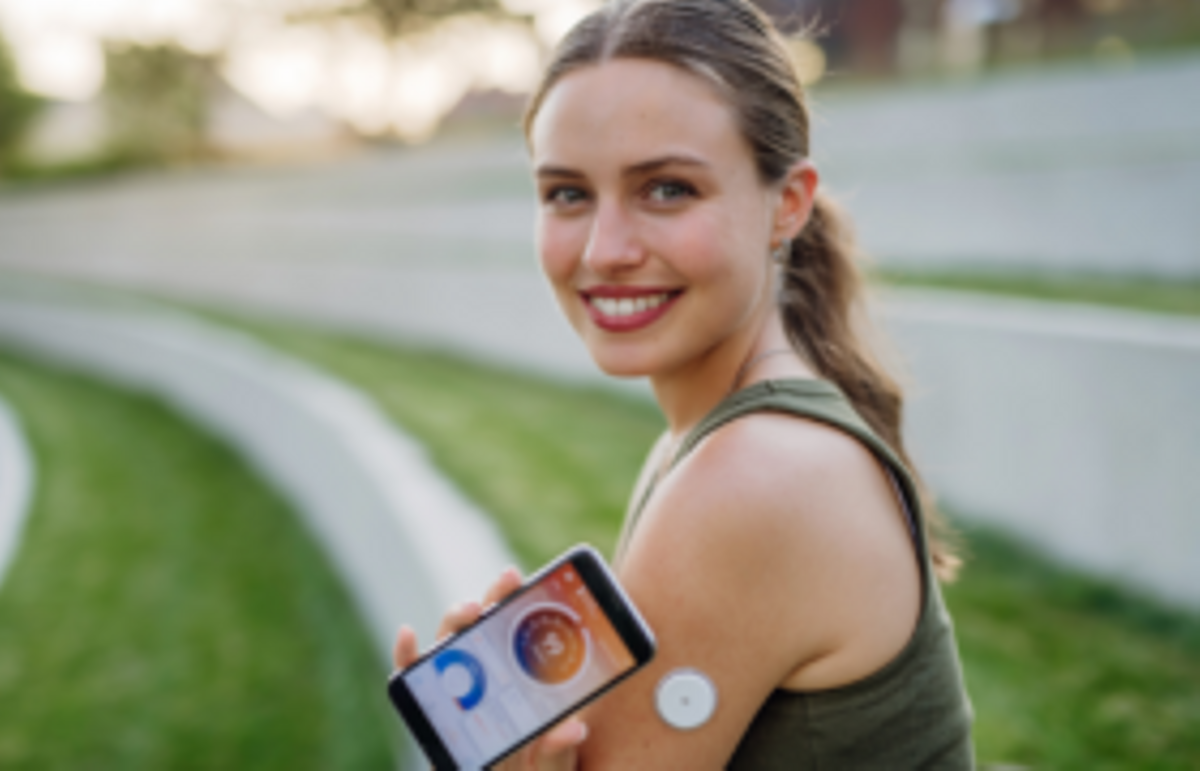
(1081, 169)
(1076, 428)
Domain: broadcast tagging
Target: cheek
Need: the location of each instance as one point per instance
(705, 248)
(558, 249)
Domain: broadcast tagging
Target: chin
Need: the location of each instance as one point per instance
(623, 365)
(622, 372)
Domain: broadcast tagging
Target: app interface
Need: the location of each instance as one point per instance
(527, 664)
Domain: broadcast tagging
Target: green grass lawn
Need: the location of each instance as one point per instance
(1181, 298)
(1065, 672)
(166, 609)
(553, 464)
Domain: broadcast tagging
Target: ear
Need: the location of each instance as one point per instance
(797, 195)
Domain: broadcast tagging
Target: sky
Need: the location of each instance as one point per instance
(339, 68)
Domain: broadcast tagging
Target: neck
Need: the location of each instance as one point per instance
(688, 393)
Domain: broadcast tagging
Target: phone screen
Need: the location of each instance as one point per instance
(524, 666)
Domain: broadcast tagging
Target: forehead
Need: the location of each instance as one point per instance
(627, 110)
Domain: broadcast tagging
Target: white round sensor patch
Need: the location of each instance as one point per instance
(685, 699)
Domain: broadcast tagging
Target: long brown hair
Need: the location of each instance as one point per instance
(736, 48)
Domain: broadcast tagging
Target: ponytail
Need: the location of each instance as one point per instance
(822, 305)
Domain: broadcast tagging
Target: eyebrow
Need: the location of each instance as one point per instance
(558, 171)
(637, 169)
(667, 160)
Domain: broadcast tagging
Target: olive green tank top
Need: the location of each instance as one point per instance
(911, 714)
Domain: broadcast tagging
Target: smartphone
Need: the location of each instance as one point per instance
(561, 640)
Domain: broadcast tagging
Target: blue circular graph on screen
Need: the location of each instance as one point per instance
(462, 677)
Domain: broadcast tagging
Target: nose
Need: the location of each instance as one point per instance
(612, 245)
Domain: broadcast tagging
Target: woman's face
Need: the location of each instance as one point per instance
(653, 227)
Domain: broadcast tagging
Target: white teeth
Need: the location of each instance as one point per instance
(627, 306)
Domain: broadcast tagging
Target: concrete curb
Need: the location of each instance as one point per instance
(16, 485)
(1076, 322)
(404, 540)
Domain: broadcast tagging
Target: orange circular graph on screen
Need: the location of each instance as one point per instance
(550, 644)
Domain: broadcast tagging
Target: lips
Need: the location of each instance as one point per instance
(627, 309)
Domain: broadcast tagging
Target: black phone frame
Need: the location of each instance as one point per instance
(611, 599)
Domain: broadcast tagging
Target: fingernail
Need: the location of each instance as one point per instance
(582, 732)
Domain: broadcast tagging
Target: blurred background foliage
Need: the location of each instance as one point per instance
(393, 19)
(890, 38)
(157, 99)
(18, 107)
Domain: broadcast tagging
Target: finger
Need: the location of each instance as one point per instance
(406, 651)
(508, 582)
(567, 760)
(459, 617)
(556, 750)
(560, 742)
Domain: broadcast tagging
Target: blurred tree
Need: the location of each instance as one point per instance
(17, 107)
(394, 19)
(157, 101)
(873, 31)
(1060, 20)
(860, 37)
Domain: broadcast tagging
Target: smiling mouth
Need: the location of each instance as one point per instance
(622, 307)
(629, 312)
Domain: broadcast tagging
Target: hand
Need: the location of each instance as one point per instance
(555, 750)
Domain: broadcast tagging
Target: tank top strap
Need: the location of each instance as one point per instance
(818, 400)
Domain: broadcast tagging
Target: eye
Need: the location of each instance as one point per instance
(669, 191)
(564, 196)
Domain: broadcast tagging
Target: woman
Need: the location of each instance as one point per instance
(775, 541)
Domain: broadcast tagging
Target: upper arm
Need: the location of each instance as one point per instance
(690, 588)
(741, 564)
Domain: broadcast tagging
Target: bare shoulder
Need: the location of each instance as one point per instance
(780, 474)
(772, 511)
(744, 563)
